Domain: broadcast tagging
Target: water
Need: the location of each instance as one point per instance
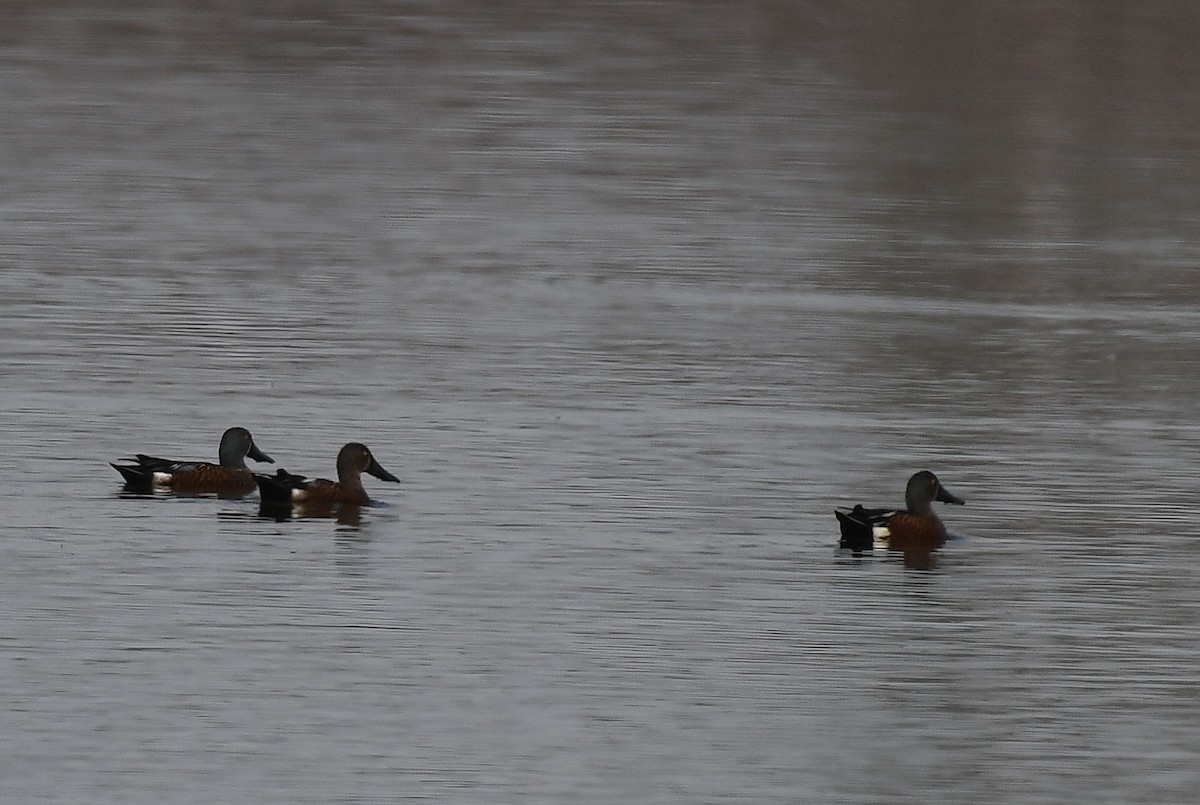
(629, 296)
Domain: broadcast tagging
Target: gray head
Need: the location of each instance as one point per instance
(355, 459)
(236, 444)
(923, 489)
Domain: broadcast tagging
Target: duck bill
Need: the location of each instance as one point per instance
(258, 455)
(945, 496)
(380, 473)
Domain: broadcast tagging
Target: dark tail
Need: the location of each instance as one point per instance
(277, 488)
(858, 527)
(138, 478)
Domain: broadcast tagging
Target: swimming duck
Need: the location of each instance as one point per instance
(230, 476)
(353, 460)
(916, 531)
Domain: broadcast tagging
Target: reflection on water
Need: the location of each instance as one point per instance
(631, 296)
(342, 513)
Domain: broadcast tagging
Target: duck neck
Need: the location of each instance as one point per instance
(919, 506)
(350, 478)
(232, 459)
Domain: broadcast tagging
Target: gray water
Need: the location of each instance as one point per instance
(629, 296)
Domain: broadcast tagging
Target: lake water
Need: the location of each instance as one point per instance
(630, 296)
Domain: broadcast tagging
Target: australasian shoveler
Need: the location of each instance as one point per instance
(353, 460)
(915, 531)
(230, 476)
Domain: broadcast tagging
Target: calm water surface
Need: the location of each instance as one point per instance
(629, 296)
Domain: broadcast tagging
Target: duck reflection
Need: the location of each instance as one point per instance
(347, 514)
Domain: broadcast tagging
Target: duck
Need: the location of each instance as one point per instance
(353, 460)
(229, 476)
(916, 531)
